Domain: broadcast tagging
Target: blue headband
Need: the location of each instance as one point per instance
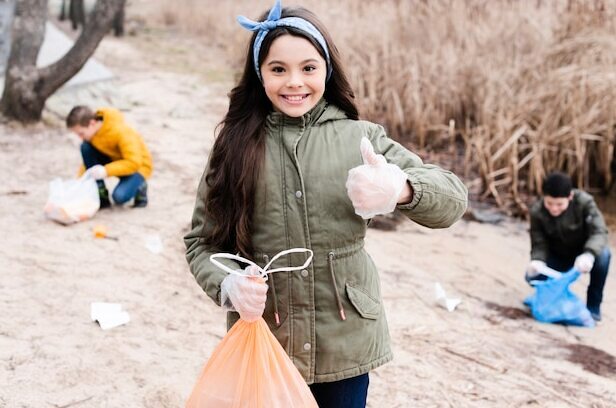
(273, 20)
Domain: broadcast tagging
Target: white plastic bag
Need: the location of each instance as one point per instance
(72, 201)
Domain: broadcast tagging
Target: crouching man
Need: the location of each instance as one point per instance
(566, 230)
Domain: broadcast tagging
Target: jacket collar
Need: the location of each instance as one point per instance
(321, 112)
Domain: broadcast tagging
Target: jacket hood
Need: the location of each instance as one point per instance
(111, 117)
(331, 112)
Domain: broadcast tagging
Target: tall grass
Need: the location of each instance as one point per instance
(520, 87)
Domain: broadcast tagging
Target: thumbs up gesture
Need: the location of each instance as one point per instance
(375, 186)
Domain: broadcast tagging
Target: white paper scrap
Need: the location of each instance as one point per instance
(108, 315)
(154, 244)
(113, 320)
(441, 298)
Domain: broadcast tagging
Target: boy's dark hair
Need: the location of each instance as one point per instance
(557, 185)
(79, 116)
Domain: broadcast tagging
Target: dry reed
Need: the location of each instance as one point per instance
(522, 87)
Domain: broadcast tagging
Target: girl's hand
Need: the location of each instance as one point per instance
(376, 186)
(244, 294)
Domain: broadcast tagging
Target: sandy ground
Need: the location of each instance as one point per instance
(487, 353)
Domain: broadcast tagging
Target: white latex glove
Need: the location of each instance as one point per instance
(535, 268)
(244, 294)
(97, 172)
(584, 262)
(375, 186)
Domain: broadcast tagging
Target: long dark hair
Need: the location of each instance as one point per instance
(239, 150)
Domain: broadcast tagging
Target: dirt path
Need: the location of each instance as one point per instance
(486, 353)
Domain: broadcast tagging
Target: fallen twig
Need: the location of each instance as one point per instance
(70, 404)
(14, 192)
(474, 360)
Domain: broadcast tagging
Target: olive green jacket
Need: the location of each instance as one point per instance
(580, 228)
(301, 201)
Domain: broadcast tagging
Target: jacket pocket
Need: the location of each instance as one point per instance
(366, 305)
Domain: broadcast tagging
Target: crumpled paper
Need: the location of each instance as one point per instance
(442, 300)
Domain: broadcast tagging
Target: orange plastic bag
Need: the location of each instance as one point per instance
(249, 368)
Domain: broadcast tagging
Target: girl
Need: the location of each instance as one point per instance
(287, 171)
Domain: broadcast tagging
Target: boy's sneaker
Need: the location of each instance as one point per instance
(141, 198)
(596, 315)
(103, 194)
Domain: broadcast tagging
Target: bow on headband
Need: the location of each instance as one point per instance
(273, 20)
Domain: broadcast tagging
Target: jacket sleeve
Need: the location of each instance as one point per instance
(597, 230)
(130, 150)
(439, 197)
(538, 240)
(208, 275)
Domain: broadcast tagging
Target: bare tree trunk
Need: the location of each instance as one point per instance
(7, 10)
(118, 23)
(20, 99)
(77, 13)
(26, 88)
(63, 11)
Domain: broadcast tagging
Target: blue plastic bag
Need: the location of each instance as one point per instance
(553, 301)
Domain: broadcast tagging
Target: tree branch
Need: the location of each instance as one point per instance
(99, 24)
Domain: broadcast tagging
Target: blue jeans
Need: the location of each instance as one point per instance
(128, 185)
(598, 274)
(349, 393)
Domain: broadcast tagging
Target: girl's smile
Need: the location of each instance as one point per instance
(293, 75)
(295, 99)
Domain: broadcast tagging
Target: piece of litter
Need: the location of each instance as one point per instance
(108, 315)
(154, 244)
(441, 298)
(100, 231)
(101, 308)
(110, 321)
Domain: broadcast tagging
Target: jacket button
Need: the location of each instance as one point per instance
(298, 194)
(307, 346)
(304, 273)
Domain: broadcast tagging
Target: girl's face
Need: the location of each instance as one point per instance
(293, 75)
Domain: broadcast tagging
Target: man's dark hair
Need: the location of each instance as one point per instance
(79, 115)
(557, 185)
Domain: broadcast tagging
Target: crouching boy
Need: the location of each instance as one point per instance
(112, 148)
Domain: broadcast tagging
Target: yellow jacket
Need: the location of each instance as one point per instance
(122, 144)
